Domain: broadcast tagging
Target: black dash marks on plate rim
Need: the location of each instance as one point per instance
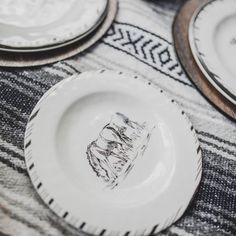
(34, 115)
(28, 144)
(153, 230)
(198, 149)
(51, 201)
(102, 232)
(82, 225)
(39, 185)
(65, 215)
(31, 166)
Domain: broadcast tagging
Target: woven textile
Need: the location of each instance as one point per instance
(139, 42)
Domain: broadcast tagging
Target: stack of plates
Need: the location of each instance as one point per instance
(212, 38)
(35, 31)
(31, 26)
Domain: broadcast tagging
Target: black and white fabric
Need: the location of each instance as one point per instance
(139, 42)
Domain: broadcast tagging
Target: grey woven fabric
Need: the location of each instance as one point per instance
(138, 42)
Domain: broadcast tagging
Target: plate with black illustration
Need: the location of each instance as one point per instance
(26, 24)
(213, 43)
(110, 153)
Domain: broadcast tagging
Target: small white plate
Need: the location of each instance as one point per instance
(212, 40)
(111, 154)
(39, 23)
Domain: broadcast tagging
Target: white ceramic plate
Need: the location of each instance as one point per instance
(27, 23)
(54, 46)
(112, 155)
(213, 43)
(36, 59)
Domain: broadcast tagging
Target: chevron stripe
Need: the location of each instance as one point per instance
(147, 47)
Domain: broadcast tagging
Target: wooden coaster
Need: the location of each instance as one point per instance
(28, 59)
(180, 33)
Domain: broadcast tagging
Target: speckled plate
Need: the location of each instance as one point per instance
(109, 159)
(40, 23)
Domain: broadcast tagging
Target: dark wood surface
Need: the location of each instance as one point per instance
(180, 33)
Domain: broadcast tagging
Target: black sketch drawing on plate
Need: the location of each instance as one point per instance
(119, 143)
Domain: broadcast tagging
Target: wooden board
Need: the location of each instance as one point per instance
(180, 33)
(10, 59)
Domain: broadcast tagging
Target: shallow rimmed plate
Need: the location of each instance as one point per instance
(40, 23)
(213, 43)
(26, 59)
(111, 154)
(54, 46)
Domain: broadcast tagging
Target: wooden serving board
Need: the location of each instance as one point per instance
(180, 33)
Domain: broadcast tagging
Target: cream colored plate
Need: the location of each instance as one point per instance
(38, 23)
(10, 59)
(54, 46)
(109, 158)
(212, 39)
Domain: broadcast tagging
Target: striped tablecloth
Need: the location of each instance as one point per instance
(138, 42)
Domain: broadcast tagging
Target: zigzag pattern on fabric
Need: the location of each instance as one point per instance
(147, 47)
